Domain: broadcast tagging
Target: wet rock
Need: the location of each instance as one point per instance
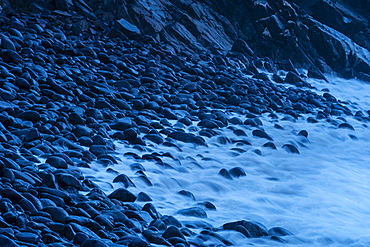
(269, 145)
(155, 238)
(290, 148)
(57, 214)
(123, 124)
(194, 211)
(67, 180)
(255, 229)
(154, 138)
(57, 162)
(346, 126)
(122, 195)
(208, 124)
(239, 132)
(6, 241)
(143, 197)
(94, 243)
(27, 237)
(279, 231)
(237, 172)
(208, 235)
(170, 220)
(254, 122)
(243, 230)
(303, 133)
(130, 240)
(261, 134)
(98, 149)
(12, 194)
(150, 208)
(30, 115)
(10, 56)
(28, 206)
(225, 173)
(171, 232)
(125, 180)
(187, 137)
(292, 78)
(187, 194)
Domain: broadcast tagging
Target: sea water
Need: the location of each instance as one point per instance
(321, 195)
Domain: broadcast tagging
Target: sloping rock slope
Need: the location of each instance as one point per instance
(309, 33)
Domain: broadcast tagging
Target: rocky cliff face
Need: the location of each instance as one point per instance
(322, 34)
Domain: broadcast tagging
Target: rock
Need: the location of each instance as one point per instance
(346, 126)
(261, 134)
(27, 237)
(269, 145)
(57, 214)
(127, 28)
(290, 148)
(5, 241)
(255, 229)
(27, 205)
(123, 124)
(33, 116)
(208, 124)
(57, 162)
(67, 180)
(194, 211)
(292, 78)
(125, 180)
(22, 83)
(171, 232)
(187, 194)
(130, 134)
(143, 197)
(237, 172)
(225, 173)
(242, 47)
(10, 56)
(94, 243)
(303, 133)
(170, 220)
(130, 240)
(12, 194)
(217, 237)
(279, 231)
(81, 131)
(122, 195)
(155, 238)
(98, 149)
(243, 230)
(150, 208)
(316, 73)
(187, 137)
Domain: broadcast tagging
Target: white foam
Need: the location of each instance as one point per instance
(321, 195)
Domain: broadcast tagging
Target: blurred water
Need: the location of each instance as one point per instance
(321, 195)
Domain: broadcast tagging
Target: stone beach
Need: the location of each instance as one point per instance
(72, 87)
